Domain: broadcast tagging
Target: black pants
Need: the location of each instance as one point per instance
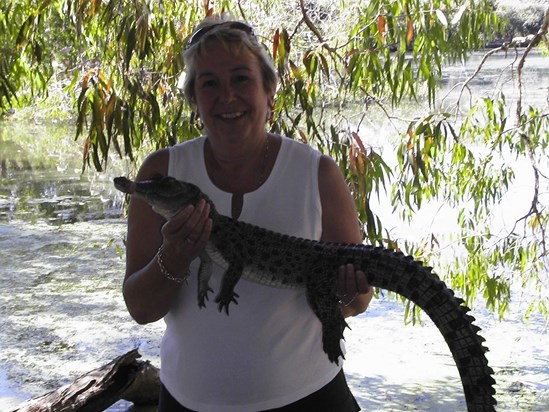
(334, 397)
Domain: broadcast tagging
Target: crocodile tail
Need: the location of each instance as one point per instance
(409, 278)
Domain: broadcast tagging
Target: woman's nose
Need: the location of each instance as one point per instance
(227, 93)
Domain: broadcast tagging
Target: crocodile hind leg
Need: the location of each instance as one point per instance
(325, 304)
(230, 279)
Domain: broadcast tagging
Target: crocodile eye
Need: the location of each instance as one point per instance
(192, 190)
(169, 185)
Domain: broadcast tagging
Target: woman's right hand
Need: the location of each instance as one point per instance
(184, 236)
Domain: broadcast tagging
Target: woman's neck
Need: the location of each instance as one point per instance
(236, 157)
(241, 171)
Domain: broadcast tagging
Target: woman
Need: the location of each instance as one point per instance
(267, 355)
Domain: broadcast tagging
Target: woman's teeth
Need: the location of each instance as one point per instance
(231, 115)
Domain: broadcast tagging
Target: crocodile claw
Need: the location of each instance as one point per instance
(203, 297)
(223, 302)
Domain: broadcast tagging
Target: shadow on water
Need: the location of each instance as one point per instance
(438, 395)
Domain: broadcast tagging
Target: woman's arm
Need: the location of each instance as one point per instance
(147, 292)
(340, 224)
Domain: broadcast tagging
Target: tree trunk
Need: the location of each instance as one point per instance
(123, 378)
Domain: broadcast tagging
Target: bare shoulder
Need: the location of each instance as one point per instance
(332, 185)
(328, 169)
(154, 164)
(339, 219)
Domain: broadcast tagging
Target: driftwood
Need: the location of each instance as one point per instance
(124, 378)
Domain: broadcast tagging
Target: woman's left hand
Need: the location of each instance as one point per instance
(353, 290)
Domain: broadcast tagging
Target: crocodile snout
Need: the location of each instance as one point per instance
(124, 185)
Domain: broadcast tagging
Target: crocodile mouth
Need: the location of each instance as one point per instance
(166, 195)
(124, 185)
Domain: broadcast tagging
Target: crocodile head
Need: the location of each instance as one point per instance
(166, 195)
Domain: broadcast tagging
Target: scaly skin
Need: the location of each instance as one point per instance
(270, 258)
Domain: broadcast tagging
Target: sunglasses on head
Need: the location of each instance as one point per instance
(197, 35)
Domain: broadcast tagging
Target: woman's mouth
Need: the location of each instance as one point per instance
(231, 116)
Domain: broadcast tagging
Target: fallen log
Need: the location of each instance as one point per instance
(125, 377)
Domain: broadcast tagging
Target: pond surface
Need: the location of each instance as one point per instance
(61, 265)
(61, 269)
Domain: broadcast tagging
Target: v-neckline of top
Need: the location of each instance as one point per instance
(237, 199)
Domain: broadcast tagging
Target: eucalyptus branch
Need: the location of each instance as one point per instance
(526, 122)
(479, 67)
(360, 31)
(372, 99)
(534, 42)
(534, 210)
(313, 28)
(241, 10)
(465, 84)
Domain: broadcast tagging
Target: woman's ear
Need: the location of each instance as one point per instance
(194, 106)
(270, 111)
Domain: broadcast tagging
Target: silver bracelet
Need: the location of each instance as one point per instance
(165, 271)
(341, 302)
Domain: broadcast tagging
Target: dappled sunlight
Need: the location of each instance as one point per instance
(61, 307)
(391, 365)
(394, 367)
(435, 395)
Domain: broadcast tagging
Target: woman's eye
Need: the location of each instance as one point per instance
(242, 78)
(208, 83)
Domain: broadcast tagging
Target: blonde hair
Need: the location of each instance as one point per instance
(237, 41)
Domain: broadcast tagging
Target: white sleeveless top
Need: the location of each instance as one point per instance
(268, 352)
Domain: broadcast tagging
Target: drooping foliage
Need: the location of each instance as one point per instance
(337, 62)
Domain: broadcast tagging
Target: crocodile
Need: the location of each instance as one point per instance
(250, 252)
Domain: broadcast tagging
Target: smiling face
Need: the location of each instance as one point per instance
(229, 94)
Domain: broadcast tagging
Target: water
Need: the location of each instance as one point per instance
(498, 73)
(61, 309)
(61, 265)
(61, 259)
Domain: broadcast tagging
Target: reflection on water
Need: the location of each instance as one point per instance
(57, 198)
(40, 178)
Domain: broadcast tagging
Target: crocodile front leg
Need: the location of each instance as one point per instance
(228, 283)
(325, 304)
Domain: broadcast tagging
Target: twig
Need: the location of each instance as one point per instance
(534, 210)
(313, 28)
(471, 77)
(534, 42)
(242, 11)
